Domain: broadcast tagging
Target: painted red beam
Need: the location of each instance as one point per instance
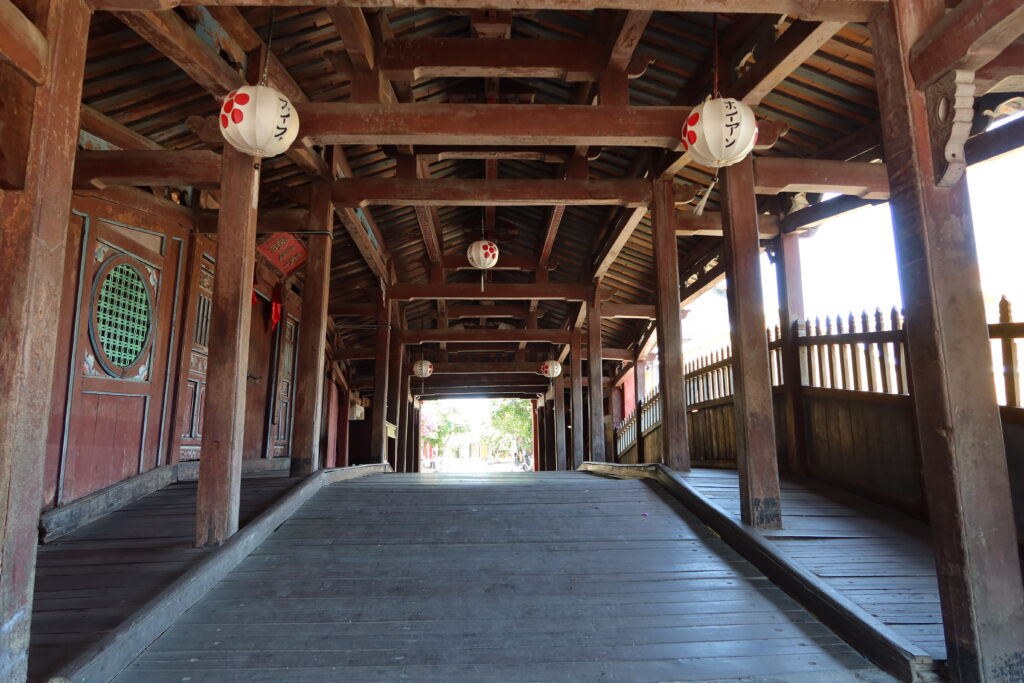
(416, 58)
(143, 167)
(22, 45)
(554, 336)
(968, 37)
(471, 291)
(847, 10)
(361, 192)
(490, 124)
(773, 175)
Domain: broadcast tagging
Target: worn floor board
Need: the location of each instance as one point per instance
(536, 577)
(91, 580)
(879, 558)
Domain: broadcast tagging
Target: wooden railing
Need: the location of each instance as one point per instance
(861, 354)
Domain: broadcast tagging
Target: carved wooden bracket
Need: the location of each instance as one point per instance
(950, 104)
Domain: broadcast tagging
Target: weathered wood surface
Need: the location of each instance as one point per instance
(878, 557)
(531, 589)
(93, 579)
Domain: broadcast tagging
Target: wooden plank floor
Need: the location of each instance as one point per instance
(878, 557)
(91, 580)
(499, 577)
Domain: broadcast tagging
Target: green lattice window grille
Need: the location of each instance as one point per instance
(122, 317)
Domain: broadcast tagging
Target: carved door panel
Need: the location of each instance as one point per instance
(281, 428)
(258, 381)
(195, 351)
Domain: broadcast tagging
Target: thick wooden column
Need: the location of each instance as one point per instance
(958, 424)
(670, 331)
(791, 314)
(536, 435)
(331, 411)
(395, 381)
(402, 458)
(309, 374)
(378, 428)
(576, 388)
(639, 368)
(757, 460)
(595, 377)
(33, 229)
(558, 407)
(345, 402)
(220, 463)
(415, 463)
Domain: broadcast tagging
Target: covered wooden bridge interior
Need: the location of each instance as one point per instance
(207, 398)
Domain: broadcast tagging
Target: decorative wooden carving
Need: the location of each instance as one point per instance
(950, 103)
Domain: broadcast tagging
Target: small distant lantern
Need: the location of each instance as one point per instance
(720, 132)
(259, 121)
(483, 254)
(423, 369)
(551, 368)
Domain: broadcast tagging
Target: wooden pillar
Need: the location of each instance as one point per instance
(576, 384)
(378, 429)
(331, 454)
(558, 406)
(542, 435)
(536, 435)
(402, 458)
(395, 382)
(957, 418)
(309, 372)
(33, 229)
(791, 314)
(595, 376)
(640, 384)
(757, 459)
(341, 459)
(670, 332)
(414, 464)
(220, 463)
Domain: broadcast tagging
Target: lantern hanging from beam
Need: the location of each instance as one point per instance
(258, 120)
(482, 254)
(423, 369)
(720, 132)
(551, 368)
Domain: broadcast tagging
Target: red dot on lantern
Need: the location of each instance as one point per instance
(228, 106)
(685, 146)
(236, 116)
(694, 118)
(691, 136)
(242, 99)
(223, 121)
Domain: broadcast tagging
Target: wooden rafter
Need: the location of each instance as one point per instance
(471, 291)
(22, 45)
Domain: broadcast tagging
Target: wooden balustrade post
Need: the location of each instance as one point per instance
(576, 400)
(558, 407)
(1011, 366)
(639, 368)
(675, 447)
(33, 241)
(757, 460)
(595, 376)
(382, 343)
(957, 418)
(791, 312)
(220, 463)
(309, 373)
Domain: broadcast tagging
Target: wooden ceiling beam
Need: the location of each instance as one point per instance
(295, 221)
(499, 368)
(844, 10)
(355, 192)
(773, 175)
(497, 292)
(146, 167)
(22, 45)
(346, 309)
(489, 124)
(635, 311)
(506, 261)
(968, 37)
(617, 243)
(117, 134)
(709, 224)
(486, 336)
(457, 311)
(801, 40)
(551, 155)
(570, 60)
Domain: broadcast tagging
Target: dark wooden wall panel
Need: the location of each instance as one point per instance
(109, 434)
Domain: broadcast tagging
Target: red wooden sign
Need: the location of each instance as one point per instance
(284, 251)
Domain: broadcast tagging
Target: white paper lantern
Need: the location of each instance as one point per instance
(551, 368)
(720, 132)
(483, 254)
(423, 369)
(258, 120)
